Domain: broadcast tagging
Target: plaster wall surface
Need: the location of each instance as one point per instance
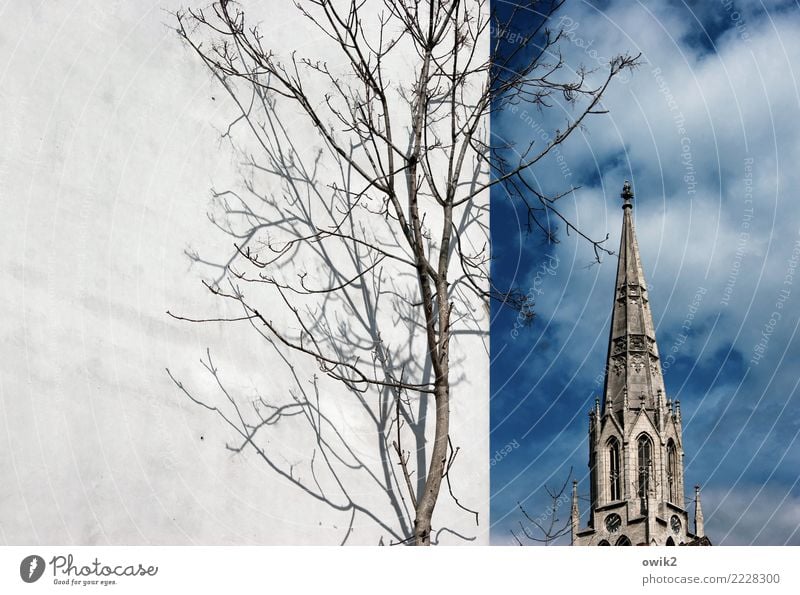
(110, 145)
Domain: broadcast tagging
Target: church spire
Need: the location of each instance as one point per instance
(632, 363)
(635, 437)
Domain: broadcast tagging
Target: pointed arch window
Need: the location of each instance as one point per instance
(614, 470)
(645, 463)
(672, 471)
(623, 541)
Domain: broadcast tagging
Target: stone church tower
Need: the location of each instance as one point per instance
(635, 444)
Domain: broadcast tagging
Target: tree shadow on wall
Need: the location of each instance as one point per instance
(317, 271)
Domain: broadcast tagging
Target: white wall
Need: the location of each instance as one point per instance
(110, 144)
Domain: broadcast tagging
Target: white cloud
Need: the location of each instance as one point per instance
(682, 129)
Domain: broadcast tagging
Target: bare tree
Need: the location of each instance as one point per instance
(548, 526)
(392, 220)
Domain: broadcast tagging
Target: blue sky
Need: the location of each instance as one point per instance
(708, 131)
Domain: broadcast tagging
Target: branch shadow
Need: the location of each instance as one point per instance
(324, 262)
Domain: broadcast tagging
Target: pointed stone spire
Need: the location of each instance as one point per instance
(699, 529)
(636, 456)
(632, 365)
(575, 515)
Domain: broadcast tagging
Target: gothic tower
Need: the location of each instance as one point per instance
(635, 443)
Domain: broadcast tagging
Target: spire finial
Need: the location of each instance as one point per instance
(627, 195)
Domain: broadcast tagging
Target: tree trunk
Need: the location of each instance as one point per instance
(422, 523)
(436, 469)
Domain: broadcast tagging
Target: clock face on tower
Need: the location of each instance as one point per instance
(613, 523)
(675, 524)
